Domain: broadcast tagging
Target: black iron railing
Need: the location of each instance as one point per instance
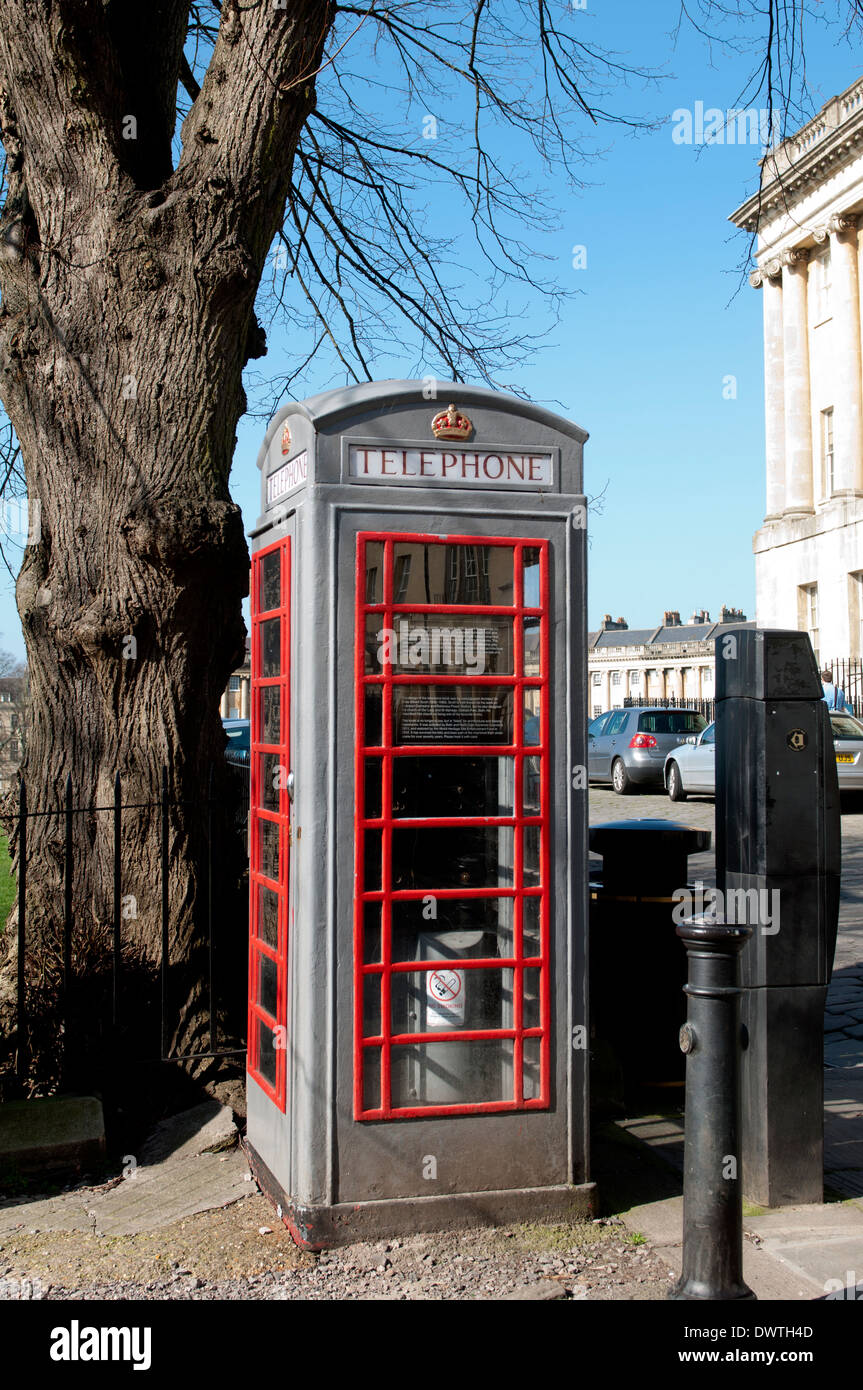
(223, 816)
(704, 706)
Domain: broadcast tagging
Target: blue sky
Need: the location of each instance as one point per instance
(641, 354)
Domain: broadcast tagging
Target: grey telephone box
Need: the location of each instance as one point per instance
(417, 982)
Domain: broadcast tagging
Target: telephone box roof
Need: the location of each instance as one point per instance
(371, 398)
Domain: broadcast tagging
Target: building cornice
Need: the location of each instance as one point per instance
(805, 160)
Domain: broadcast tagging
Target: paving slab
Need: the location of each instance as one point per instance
(835, 1022)
(186, 1167)
(768, 1277)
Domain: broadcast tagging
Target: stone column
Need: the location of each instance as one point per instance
(798, 414)
(846, 367)
(244, 697)
(770, 278)
(223, 706)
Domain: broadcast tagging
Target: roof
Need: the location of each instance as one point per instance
(680, 635)
(374, 397)
(624, 637)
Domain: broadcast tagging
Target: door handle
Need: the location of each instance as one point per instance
(289, 786)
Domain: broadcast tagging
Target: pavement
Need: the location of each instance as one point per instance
(793, 1253)
(191, 1164)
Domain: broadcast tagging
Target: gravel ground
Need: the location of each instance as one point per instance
(241, 1252)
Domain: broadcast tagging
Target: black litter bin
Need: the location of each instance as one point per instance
(637, 963)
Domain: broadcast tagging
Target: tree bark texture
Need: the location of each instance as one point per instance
(128, 285)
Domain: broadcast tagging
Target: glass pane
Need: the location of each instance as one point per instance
(374, 572)
(372, 933)
(455, 786)
(453, 646)
(268, 976)
(271, 714)
(531, 594)
(441, 573)
(465, 856)
(531, 1054)
(379, 644)
(268, 849)
(271, 652)
(371, 1078)
(532, 787)
(452, 714)
(530, 933)
(530, 1006)
(268, 916)
(266, 1053)
(271, 581)
(532, 728)
(373, 707)
(373, 860)
(371, 1006)
(419, 923)
(272, 774)
(447, 999)
(531, 647)
(451, 1073)
(531, 855)
(372, 788)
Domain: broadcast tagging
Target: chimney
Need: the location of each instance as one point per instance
(731, 615)
(700, 615)
(671, 618)
(610, 625)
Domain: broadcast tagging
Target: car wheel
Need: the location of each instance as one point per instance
(620, 779)
(675, 784)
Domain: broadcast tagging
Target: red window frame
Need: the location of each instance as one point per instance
(258, 1016)
(388, 609)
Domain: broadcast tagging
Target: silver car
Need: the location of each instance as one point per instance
(692, 767)
(848, 738)
(628, 747)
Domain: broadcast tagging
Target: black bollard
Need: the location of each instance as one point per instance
(712, 1189)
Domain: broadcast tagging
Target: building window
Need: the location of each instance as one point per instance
(635, 678)
(807, 613)
(615, 678)
(597, 678)
(856, 615)
(707, 676)
(827, 483)
(821, 276)
(234, 683)
(597, 710)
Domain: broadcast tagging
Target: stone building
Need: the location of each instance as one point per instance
(13, 728)
(674, 661)
(809, 550)
(235, 702)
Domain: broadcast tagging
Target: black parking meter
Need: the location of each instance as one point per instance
(778, 851)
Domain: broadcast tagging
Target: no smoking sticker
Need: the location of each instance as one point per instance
(445, 999)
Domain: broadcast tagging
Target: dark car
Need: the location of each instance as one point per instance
(628, 747)
(239, 747)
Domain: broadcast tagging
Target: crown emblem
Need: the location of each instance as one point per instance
(451, 424)
(286, 439)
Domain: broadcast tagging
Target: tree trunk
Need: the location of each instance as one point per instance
(127, 318)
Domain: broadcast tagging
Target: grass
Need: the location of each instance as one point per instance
(8, 887)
